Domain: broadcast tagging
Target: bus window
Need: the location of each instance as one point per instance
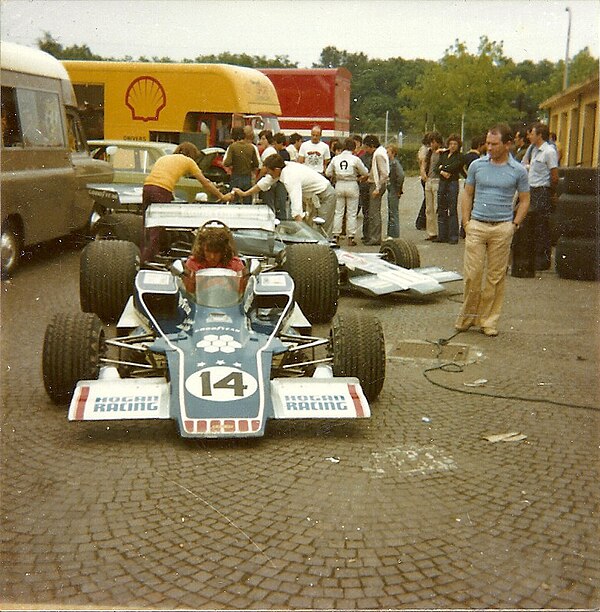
(40, 117)
(11, 133)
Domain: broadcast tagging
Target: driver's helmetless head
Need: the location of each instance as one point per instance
(214, 245)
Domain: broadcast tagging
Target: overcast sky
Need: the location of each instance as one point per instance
(530, 29)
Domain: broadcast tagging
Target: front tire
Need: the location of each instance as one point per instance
(315, 270)
(403, 253)
(106, 275)
(358, 349)
(73, 346)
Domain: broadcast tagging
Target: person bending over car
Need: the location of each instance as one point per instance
(160, 183)
(213, 247)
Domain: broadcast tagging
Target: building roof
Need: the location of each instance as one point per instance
(572, 92)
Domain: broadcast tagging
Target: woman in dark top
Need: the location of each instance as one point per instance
(451, 164)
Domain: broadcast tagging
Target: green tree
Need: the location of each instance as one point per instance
(82, 52)
(375, 84)
(76, 52)
(464, 91)
(243, 59)
(583, 66)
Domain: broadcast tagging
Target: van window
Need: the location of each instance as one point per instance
(76, 138)
(40, 118)
(11, 132)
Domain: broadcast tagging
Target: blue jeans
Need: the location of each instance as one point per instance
(393, 226)
(244, 182)
(447, 215)
(276, 199)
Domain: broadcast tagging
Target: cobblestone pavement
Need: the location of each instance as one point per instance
(410, 509)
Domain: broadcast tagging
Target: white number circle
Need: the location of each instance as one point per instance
(221, 384)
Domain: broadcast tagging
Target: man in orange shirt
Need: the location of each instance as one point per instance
(160, 183)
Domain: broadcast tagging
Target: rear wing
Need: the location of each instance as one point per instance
(194, 215)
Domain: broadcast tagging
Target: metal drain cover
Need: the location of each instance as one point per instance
(416, 349)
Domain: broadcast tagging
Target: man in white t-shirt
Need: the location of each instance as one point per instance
(314, 152)
(294, 146)
(301, 183)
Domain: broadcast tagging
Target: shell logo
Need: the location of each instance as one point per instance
(145, 97)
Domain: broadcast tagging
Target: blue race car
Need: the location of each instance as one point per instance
(221, 362)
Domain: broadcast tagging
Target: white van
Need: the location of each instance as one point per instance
(45, 164)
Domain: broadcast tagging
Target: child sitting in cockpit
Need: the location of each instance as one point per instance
(213, 247)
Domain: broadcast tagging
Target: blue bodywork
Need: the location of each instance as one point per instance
(219, 356)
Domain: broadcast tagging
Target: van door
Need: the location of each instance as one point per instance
(87, 170)
(38, 180)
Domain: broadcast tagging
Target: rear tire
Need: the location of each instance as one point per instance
(315, 270)
(358, 349)
(125, 226)
(106, 276)
(579, 181)
(73, 345)
(403, 253)
(577, 258)
(577, 216)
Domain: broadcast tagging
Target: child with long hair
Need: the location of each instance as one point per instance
(213, 247)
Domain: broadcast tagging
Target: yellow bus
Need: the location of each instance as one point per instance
(169, 102)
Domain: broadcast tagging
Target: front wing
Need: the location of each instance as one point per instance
(148, 398)
(371, 274)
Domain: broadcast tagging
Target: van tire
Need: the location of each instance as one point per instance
(106, 275)
(11, 245)
(401, 252)
(577, 258)
(315, 271)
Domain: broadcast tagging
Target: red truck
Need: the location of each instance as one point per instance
(313, 96)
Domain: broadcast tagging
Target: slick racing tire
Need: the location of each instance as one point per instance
(403, 253)
(358, 349)
(10, 248)
(315, 270)
(579, 181)
(125, 226)
(106, 275)
(73, 346)
(577, 216)
(577, 258)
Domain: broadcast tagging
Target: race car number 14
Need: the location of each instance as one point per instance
(221, 384)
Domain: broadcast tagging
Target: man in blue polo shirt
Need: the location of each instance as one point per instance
(490, 222)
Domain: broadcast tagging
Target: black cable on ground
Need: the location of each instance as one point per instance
(454, 367)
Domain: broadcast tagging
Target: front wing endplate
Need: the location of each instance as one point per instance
(318, 398)
(118, 399)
